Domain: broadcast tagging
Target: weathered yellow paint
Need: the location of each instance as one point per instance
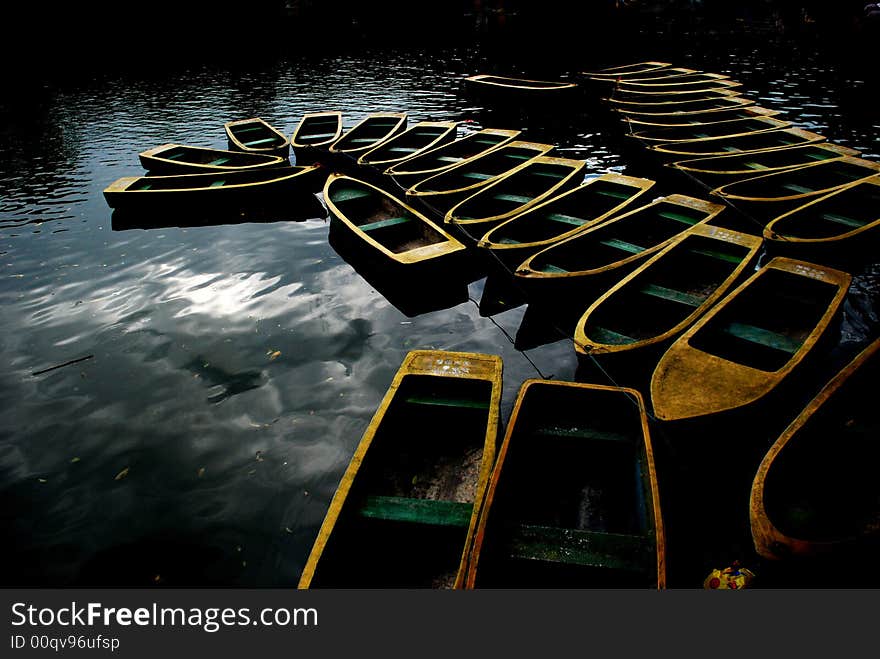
(720, 164)
(409, 167)
(769, 541)
(520, 84)
(736, 127)
(688, 382)
(281, 148)
(421, 362)
(695, 148)
(371, 157)
(333, 114)
(341, 145)
(155, 159)
(636, 121)
(647, 111)
(626, 70)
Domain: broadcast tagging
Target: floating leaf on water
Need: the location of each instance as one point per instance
(122, 474)
(74, 460)
(274, 355)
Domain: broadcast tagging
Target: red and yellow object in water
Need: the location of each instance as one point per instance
(730, 578)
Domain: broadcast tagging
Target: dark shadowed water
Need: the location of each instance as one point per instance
(228, 371)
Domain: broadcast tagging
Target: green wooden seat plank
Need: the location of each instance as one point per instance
(622, 245)
(565, 219)
(381, 224)
(581, 433)
(218, 184)
(823, 155)
(616, 194)
(613, 551)
(362, 140)
(548, 174)
(448, 159)
(470, 403)
(265, 140)
(476, 175)
(508, 241)
(762, 337)
(517, 199)
(552, 269)
(314, 136)
(347, 194)
(794, 187)
(219, 161)
(519, 156)
(248, 129)
(418, 511)
(174, 156)
(717, 255)
(755, 165)
(485, 141)
(672, 295)
(842, 219)
(678, 217)
(609, 337)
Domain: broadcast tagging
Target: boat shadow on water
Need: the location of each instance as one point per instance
(296, 207)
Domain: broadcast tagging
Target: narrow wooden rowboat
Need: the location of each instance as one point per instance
(816, 490)
(225, 189)
(653, 74)
(665, 295)
(626, 70)
(719, 170)
(840, 217)
(444, 190)
(540, 179)
(749, 143)
(641, 97)
(183, 159)
(406, 509)
(411, 142)
(314, 134)
(804, 182)
(682, 108)
(746, 344)
(573, 500)
(683, 82)
(439, 159)
(672, 134)
(255, 135)
(621, 241)
(498, 88)
(562, 216)
(400, 234)
(638, 122)
(369, 132)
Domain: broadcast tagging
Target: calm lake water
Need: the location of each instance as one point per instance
(230, 369)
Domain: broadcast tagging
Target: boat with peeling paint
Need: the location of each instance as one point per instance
(368, 133)
(634, 70)
(414, 140)
(170, 159)
(405, 511)
(314, 134)
(749, 143)
(643, 122)
(255, 135)
(671, 134)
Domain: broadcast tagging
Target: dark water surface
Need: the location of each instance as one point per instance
(232, 368)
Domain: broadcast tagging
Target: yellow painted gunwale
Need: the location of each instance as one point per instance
(398, 127)
(525, 268)
(517, 84)
(641, 97)
(400, 168)
(668, 72)
(576, 166)
(674, 109)
(771, 234)
(439, 363)
(323, 143)
(693, 164)
(659, 529)
(640, 186)
(752, 112)
(413, 256)
(676, 82)
(443, 138)
(724, 191)
(284, 145)
(415, 192)
(674, 148)
(583, 345)
(626, 69)
(767, 538)
(722, 384)
(771, 124)
(155, 155)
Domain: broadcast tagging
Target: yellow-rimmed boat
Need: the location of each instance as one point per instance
(414, 140)
(489, 87)
(671, 134)
(368, 133)
(510, 194)
(255, 135)
(841, 217)
(400, 234)
(666, 294)
(748, 342)
(183, 159)
(682, 108)
(700, 80)
(656, 73)
(314, 134)
(562, 216)
(627, 70)
(573, 500)
(439, 159)
(643, 97)
(405, 511)
(636, 122)
(815, 492)
(444, 190)
(749, 143)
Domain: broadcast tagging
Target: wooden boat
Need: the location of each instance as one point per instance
(698, 106)
(573, 500)
(369, 132)
(672, 134)
(491, 87)
(439, 159)
(666, 294)
(816, 490)
(656, 73)
(683, 82)
(411, 142)
(562, 216)
(183, 159)
(749, 341)
(749, 143)
(642, 97)
(637, 122)
(540, 179)
(314, 134)
(397, 232)
(626, 70)
(803, 182)
(230, 189)
(444, 190)
(621, 241)
(255, 135)
(840, 217)
(405, 511)
(737, 166)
